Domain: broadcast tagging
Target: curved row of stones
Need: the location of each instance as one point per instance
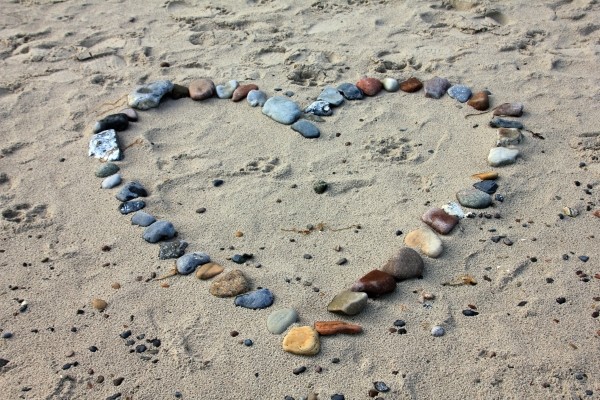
(406, 264)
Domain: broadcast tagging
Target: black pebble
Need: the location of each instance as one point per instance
(118, 381)
(487, 186)
(561, 300)
(155, 342)
(114, 396)
(584, 258)
(140, 348)
(335, 360)
(130, 342)
(248, 342)
(125, 334)
(470, 313)
(238, 259)
(521, 303)
(398, 232)
(118, 122)
(499, 198)
(402, 331)
(338, 396)
(549, 280)
(218, 182)
(67, 366)
(93, 349)
(3, 362)
(299, 370)
(565, 257)
(399, 322)
(307, 256)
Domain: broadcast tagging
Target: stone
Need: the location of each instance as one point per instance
(504, 123)
(327, 328)
(375, 283)
(439, 220)
(411, 85)
(461, 93)
(381, 387)
(474, 198)
(209, 270)
(369, 86)
(107, 170)
(348, 303)
(320, 108)
(302, 340)
(255, 300)
(3, 362)
(438, 331)
(479, 101)
(99, 304)
(143, 219)
(105, 146)
(331, 95)
(174, 249)
(111, 181)
(149, 96)
(279, 320)
(406, 264)
(320, 187)
(188, 263)
(226, 90)
(131, 206)
(390, 84)
(436, 87)
(179, 92)
(509, 137)
(350, 91)
(500, 156)
(160, 230)
(509, 110)
(242, 91)
(306, 129)
(426, 241)
(229, 285)
(490, 175)
(131, 190)
(201, 89)
(282, 110)
(452, 208)
(131, 114)
(256, 98)
(488, 186)
(118, 122)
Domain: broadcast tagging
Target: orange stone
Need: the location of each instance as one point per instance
(242, 91)
(411, 85)
(370, 86)
(479, 101)
(375, 283)
(326, 328)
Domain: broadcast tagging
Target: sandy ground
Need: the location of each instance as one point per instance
(388, 159)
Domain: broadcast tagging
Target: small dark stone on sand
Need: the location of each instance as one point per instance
(118, 381)
(341, 261)
(218, 182)
(402, 331)
(239, 258)
(155, 342)
(398, 233)
(335, 360)
(125, 334)
(565, 257)
(549, 280)
(93, 349)
(584, 258)
(201, 210)
(67, 366)
(140, 348)
(470, 313)
(381, 386)
(521, 304)
(299, 370)
(561, 300)
(486, 186)
(307, 256)
(3, 362)
(320, 187)
(234, 333)
(248, 342)
(399, 323)
(338, 396)
(114, 396)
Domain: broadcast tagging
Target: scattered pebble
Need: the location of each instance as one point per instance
(209, 270)
(470, 313)
(461, 93)
(99, 304)
(229, 285)
(381, 387)
(438, 331)
(474, 198)
(407, 264)
(375, 283)
(160, 230)
(504, 123)
(320, 187)
(299, 370)
(327, 328)
(487, 186)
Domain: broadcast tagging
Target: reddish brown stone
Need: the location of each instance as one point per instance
(411, 85)
(334, 327)
(242, 91)
(370, 86)
(201, 89)
(479, 101)
(375, 283)
(439, 220)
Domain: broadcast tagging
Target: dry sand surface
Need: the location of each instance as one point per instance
(387, 159)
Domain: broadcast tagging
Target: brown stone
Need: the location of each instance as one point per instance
(179, 92)
(486, 176)
(99, 304)
(375, 283)
(439, 220)
(407, 264)
(242, 91)
(411, 85)
(370, 86)
(334, 327)
(479, 101)
(229, 285)
(202, 89)
(209, 270)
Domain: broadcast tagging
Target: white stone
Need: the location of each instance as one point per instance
(111, 181)
(453, 208)
(390, 84)
(105, 146)
(502, 156)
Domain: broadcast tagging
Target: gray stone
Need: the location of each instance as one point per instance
(278, 321)
(332, 96)
(105, 146)
(350, 91)
(438, 331)
(390, 84)
(131, 190)
(255, 300)
(256, 98)
(509, 137)
(131, 206)
(188, 263)
(348, 303)
(226, 90)
(461, 93)
(320, 108)
(306, 129)
(504, 123)
(502, 156)
(173, 249)
(148, 96)
(436, 87)
(473, 198)
(282, 110)
(160, 230)
(142, 219)
(111, 181)
(107, 170)
(407, 264)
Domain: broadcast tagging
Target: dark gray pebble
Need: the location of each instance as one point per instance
(306, 129)
(118, 381)
(114, 396)
(504, 123)
(320, 187)
(257, 299)
(118, 122)
(248, 342)
(239, 258)
(381, 386)
(160, 230)
(130, 191)
(218, 182)
(470, 313)
(7, 335)
(142, 219)
(93, 349)
(299, 370)
(331, 95)
(173, 249)
(155, 342)
(399, 323)
(341, 261)
(489, 187)
(561, 300)
(131, 206)
(499, 197)
(67, 366)
(3, 362)
(584, 258)
(125, 334)
(338, 396)
(140, 348)
(107, 170)
(350, 91)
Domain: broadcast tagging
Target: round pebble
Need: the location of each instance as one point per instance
(390, 84)
(282, 110)
(279, 320)
(248, 342)
(473, 198)
(306, 129)
(438, 331)
(257, 299)
(160, 230)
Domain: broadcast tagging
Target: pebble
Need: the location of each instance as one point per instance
(509, 110)
(7, 335)
(248, 342)
(279, 320)
(306, 129)
(331, 95)
(320, 108)
(131, 114)
(226, 90)
(302, 340)
(242, 91)
(320, 187)
(299, 370)
(342, 261)
(509, 137)
(350, 91)
(348, 303)
(438, 331)
(105, 146)
(369, 86)
(229, 285)
(338, 396)
(327, 328)
(3, 362)
(143, 219)
(490, 175)
(131, 206)
(131, 190)
(436, 87)
(282, 110)
(160, 230)
(148, 96)
(375, 283)
(411, 85)
(390, 84)
(425, 240)
(111, 181)
(188, 263)
(439, 220)
(179, 92)
(502, 156)
(256, 98)
(461, 93)
(118, 122)
(504, 123)
(480, 101)
(499, 197)
(407, 264)
(381, 387)
(255, 300)
(453, 208)
(107, 170)
(201, 89)
(470, 313)
(488, 186)
(583, 258)
(474, 198)
(118, 381)
(99, 304)
(239, 258)
(209, 270)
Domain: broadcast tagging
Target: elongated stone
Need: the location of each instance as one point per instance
(320, 108)
(509, 110)
(474, 198)
(143, 219)
(375, 283)
(242, 91)
(148, 96)
(426, 241)
(107, 170)
(209, 270)
(509, 137)
(302, 340)
(131, 206)
(348, 302)
(327, 328)
(278, 321)
(439, 220)
(255, 300)
(118, 122)
(188, 263)
(105, 146)
(306, 129)
(111, 181)
(484, 176)
(411, 85)
(504, 123)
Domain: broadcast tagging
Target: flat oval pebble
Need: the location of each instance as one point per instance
(242, 91)
(282, 110)
(278, 321)
(174, 249)
(99, 304)
(474, 198)
(188, 263)
(509, 137)
(302, 340)
(131, 206)
(348, 302)
(229, 285)
(331, 95)
(327, 328)
(390, 84)
(461, 93)
(407, 264)
(369, 86)
(118, 122)
(411, 85)
(381, 387)
(487, 186)
(105, 146)
(479, 101)
(107, 170)
(255, 300)
(111, 181)
(425, 240)
(179, 92)
(438, 331)
(209, 270)
(509, 110)
(148, 96)
(131, 114)
(226, 90)
(142, 218)
(502, 156)
(131, 190)
(436, 87)
(375, 283)
(306, 129)
(440, 220)
(256, 98)
(350, 91)
(201, 89)
(320, 108)
(160, 230)
(504, 123)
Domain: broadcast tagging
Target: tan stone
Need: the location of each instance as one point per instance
(425, 240)
(209, 270)
(229, 285)
(302, 340)
(99, 304)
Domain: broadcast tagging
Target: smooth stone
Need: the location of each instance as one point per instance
(453, 208)
(131, 114)
(201, 89)
(411, 85)
(179, 92)
(143, 219)
(348, 303)
(327, 328)
(107, 170)
(160, 230)
(255, 300)
(188, 263)
(111, 181)
(148, 96)
(99, 304)
(407, 264)
(118, 122)
(490, 175)
(105, 146)
(375, 283)
(479, 101)
(282, 110)
(509, 110)
(390, 84)
(131, 190)
(350, 91)
(256, 98)
(436, 87)
(509, 137)
(320, 108)
(331, 95)
(320, 187)
(302, 340)
(278, 321)
(131, 206)
(439, 220)
(209, 270)
(229, 285)
(369, 86)
(225, 91)
(438, 331)
(174, 249)
(502, 156)
(426, 240)
(474, 198)
(242, 91)
(504, 123)
(461, 93)
(306, 129)
(489, 187)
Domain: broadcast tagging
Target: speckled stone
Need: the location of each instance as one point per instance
(279, 320)
(474, 198)
(229, 285)
(131, 206)
(348, 303)
(461, 93)
(439, 220)
(174, 249)
(302, 340)
(320, 108)
(105, 146)
(406, 264)
(111, 181)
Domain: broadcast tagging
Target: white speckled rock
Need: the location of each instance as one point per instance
(502, 156)
(105, 146)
